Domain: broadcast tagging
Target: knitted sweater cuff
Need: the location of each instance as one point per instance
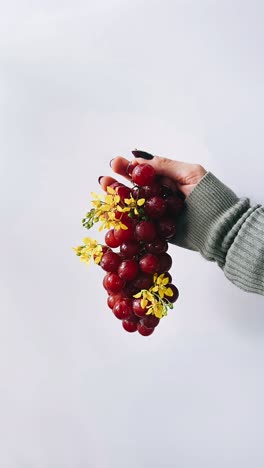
(211, 219)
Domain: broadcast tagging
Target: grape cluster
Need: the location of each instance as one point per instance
(142, 253)
(140, 222)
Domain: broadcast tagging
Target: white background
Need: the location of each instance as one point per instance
(80, 83)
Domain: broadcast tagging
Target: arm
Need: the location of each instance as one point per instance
(227, 230)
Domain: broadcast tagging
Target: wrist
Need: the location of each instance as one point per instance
(209, 219)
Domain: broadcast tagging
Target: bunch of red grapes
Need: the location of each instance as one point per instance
(141, 248)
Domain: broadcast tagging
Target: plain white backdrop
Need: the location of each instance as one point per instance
(80, 83)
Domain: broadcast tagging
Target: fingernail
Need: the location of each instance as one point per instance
(129, 169)
(110, 164)
(99, 179)
(142, 154)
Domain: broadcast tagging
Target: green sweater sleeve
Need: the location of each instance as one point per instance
(227, 230)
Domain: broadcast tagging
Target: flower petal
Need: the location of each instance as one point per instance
(141, 201)
(111, 190)
(137, 295)
(169, 292)
(128, 201)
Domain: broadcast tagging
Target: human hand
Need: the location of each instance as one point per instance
(176, 175)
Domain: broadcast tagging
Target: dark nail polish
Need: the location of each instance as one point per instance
(142, 154)
(99, 179)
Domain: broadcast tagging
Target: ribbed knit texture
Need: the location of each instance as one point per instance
(227, 230)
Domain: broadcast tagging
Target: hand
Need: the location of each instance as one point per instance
(176, 175)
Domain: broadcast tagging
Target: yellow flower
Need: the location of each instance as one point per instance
(106, 207)
(146, 296)
(159, 287)
(153, 299)
(105, 203)
(109, 221)
(153, 303)
(90, 250)
(110, 198)
(90, 243)
(104, 210)
(133, 204)
(157, 308)
(78, 250)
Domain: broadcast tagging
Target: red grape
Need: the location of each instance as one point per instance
(175, 293)
(143, 174)
(113, 283)
(155, 207)
(128, 269)
(174, 205)
(149, 263)
(138, 192)
(123, 309)
(112, 298)
(123, 235)
(123, 192)
(144, 330)
(167, 228)
(111, 301)
(111, 240)
(157, 246)
(130, 288)
(165, 262)
(129, 249)
(166, 192)
(168, 275)
(143, 281)
(110, 261)
(130, 324)
(150, 321)
(145, 231)
(152, 190)
(137, 309)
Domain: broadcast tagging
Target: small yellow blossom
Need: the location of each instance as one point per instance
(90, 250)
(160, 286)
(105, 203)
(157, 308)
(104, 210)
(109, 221)
(146, 296)
(132, 205)
(153, 303)
(153, 299)
(106, 207)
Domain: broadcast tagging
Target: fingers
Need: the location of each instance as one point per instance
(164, 166)
(123, 167)
(105, 181)
(176, 175)
(120, 166)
